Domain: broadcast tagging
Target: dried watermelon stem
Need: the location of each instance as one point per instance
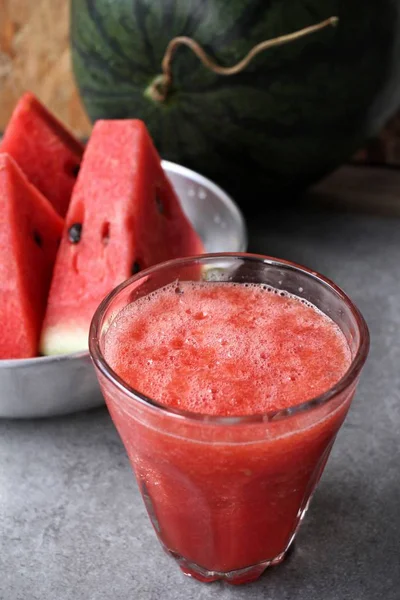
(161, 85)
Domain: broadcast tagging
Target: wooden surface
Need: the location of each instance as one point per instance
(34, 55)
(359, 188)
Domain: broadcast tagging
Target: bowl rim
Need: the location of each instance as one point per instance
(227, 200)
(169, 167)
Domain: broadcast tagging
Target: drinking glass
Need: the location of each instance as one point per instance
(226, 495)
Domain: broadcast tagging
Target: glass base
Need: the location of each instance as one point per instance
(238, 577)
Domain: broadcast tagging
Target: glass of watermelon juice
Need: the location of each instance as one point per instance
(228, 378)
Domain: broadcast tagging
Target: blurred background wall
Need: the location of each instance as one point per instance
(41, 25)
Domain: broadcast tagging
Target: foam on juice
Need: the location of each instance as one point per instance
(226, 348)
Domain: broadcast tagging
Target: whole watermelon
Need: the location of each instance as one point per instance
(295, 113)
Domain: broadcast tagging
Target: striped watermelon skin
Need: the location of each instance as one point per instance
(293, 115)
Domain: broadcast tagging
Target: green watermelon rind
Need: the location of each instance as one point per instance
(294, 114)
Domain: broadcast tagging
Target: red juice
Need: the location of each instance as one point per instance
(226, 501)
(226, 349)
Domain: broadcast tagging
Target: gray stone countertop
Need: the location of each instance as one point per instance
(72, 523)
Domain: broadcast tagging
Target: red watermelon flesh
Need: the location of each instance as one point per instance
(30, 231)
(124, 216)
(47, 153)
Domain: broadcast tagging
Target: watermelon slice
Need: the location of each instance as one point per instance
(30, 231)
(124, 216)
(47, 153)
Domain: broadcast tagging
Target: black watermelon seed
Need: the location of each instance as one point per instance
(74, 233)
(135, 268)
(159, 204)
(37, 238)
(75, 170)
(105, 233)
